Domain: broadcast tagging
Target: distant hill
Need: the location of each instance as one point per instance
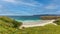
(48, 15)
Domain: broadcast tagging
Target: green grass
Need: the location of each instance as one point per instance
(8, 26)
(47, 29)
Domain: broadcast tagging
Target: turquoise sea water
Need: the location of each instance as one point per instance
(25, 18)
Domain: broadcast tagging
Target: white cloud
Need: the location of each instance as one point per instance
(25, 3)
(52, 6)
(21, 2)
(10, 1)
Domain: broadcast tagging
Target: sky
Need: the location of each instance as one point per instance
(29, 7)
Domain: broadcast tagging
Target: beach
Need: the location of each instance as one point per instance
(36, 23)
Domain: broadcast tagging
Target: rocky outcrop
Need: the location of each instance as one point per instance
(49, 17)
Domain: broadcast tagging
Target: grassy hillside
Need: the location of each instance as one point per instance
(10, 26)
(47, 29)
(57, 21)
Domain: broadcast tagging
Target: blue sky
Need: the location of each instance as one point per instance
(29, 7)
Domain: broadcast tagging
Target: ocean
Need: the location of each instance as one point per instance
(25, 18)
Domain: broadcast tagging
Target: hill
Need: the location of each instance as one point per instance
(10, 26)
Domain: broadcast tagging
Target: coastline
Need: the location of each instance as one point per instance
(36, 23)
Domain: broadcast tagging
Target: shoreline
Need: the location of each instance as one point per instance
(39, 23)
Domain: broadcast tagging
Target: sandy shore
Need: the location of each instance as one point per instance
(36, 23)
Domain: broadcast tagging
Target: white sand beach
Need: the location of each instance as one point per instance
(36, 23)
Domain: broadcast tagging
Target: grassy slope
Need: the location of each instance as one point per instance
(48, 29)
(6, 28)
(8, 25)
